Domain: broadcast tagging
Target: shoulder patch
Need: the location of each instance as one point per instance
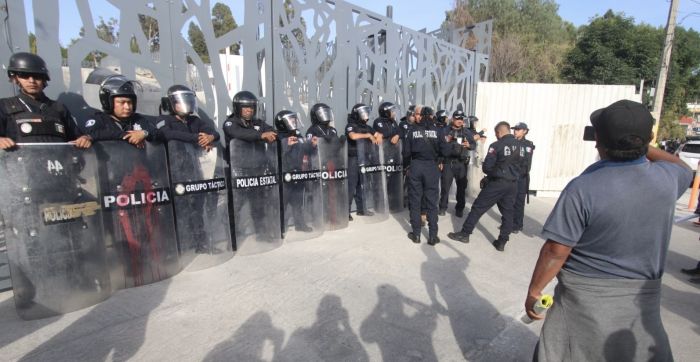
(349, 128)
(492, 150)
(257, 128)
(228, 124)
(90, 123)
(379, 124)
(160, 124)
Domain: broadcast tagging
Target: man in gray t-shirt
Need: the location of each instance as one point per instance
(607, 239)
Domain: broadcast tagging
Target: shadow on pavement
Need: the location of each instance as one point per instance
(249, 341)
(401, 327)
(110, 329)
(476, 323)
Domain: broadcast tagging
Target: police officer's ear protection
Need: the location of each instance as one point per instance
(589, 133)
(165, 106)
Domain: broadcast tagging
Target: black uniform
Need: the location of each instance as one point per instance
(103, 127)
(392, 156)
(403, 128)
(523, 185)
(456, 166)
(250, 131)
(423, 151)
(294, 197)
(502, 166)
(25, 119)
(321, 131)
(171, 128)
(354, 179)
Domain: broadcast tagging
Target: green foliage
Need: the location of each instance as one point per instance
(223, 22)
(196, 37)
(530, 39)
(613, 50)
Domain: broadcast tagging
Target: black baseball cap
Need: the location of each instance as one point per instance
(520, 125)
(623, 125)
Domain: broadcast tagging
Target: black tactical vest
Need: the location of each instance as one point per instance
(26, 123)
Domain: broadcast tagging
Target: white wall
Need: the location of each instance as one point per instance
(556, 115)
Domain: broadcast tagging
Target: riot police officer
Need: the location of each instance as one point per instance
(243, 125)
(461, 142)
(321, 117)
(441, 120)
(520, 130)
(407, 121)
(293, 150)
(119, 120)
(356, 131)
(31, 116)
(502, 166)
(388, 126)
(471, 124)
(181, 122)
(422, 154)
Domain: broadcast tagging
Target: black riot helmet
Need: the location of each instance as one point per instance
(180, 101)
(427, 114)
(360, 112)
(472, 122)
(459, 114)
(23, 62)
(116, 86)
(288, 122)
(321, 113)
(441, 117)
(244, 99)
(388, 110)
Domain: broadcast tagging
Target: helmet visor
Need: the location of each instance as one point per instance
(292, 121)
(394, 112)
(324, 115)
(363, 112)
(183, 102)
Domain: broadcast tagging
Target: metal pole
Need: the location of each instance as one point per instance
(663, 71)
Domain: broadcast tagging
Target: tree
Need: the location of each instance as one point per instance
(199, 44)
(529, 38)
(150, 29)
(32, 43)
(223, 21)
(612, 49)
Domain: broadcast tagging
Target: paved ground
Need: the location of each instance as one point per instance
(364, 293)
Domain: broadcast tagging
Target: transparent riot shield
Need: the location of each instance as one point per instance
(200, 199)
(392, 160)
(302, 198)
(137, 213)
(52, 228)
(333, 157)
(255, 196)
(373, 181)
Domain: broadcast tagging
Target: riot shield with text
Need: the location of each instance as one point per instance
(373, 180)
(53, 230)
(200, 199)
(255, 196)
(392, 160)
(333, 157)
(302, 198)
(137, 212)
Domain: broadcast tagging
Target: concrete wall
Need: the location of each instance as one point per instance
(556, 115)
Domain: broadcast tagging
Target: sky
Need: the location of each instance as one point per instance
(415, 14)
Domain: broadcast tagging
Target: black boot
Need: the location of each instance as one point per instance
(500, 244)
(460, 236)
(414, 238)
(433, 240)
